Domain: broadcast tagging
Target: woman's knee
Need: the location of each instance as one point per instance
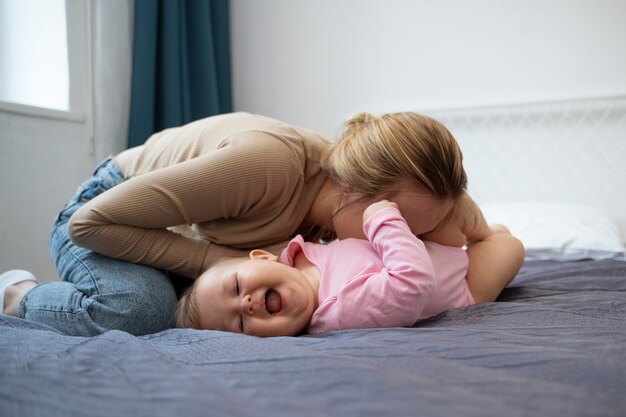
(137, 314)
(122, 296)
(144, 309)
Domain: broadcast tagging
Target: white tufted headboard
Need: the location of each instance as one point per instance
(568, 151)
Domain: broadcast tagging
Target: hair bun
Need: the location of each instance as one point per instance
(356, 122)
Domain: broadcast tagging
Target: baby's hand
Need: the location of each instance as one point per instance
(376, 207)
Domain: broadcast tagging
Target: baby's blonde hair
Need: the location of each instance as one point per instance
(187, 315)
(376, 153)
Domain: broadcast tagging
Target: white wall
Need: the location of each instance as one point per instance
(42, 163)
(315, 62)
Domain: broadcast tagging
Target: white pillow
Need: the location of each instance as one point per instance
(559, 231)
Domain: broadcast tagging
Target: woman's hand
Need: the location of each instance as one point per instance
(376, 207)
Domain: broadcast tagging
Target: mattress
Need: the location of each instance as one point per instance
(553, 344)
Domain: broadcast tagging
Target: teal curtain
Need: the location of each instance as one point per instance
(181, 64)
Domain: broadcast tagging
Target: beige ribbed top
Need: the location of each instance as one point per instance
(236, 180)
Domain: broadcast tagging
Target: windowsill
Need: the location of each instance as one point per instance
(41, 112)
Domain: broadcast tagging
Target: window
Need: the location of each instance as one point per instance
(34, 66)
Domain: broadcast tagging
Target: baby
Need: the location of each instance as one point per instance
(391, 279)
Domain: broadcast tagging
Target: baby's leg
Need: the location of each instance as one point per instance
(493, 263)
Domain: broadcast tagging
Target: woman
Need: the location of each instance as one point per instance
(213, 188)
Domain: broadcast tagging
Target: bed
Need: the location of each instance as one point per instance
(553, 344)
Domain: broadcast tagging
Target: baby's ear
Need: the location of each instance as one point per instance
(263, 254)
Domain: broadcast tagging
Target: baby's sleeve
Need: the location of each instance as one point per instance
(397, 294)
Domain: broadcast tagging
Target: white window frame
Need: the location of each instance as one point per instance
(80, 40)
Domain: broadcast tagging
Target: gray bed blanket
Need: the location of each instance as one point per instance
(553, 345)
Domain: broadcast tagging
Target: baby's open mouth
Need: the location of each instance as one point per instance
(273, 302)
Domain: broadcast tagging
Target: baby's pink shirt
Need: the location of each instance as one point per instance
(391, 279)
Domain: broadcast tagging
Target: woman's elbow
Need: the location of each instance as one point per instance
(79, 228)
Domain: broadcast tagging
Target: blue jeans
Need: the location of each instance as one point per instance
(97, 293)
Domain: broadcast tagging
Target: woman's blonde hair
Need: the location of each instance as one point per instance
(375, 154)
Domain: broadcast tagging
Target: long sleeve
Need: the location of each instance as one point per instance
(131, 221)
(393, 295)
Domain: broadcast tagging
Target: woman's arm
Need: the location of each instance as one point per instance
(130, 221)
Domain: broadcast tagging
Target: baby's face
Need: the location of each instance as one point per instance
(258, 296)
